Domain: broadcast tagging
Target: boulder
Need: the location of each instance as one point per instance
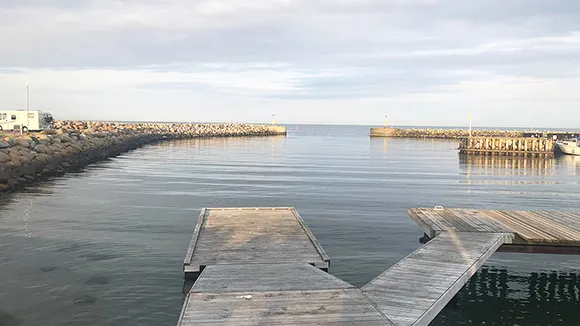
(23, 142)
(15, 163)
(4, 144)
(27, 153)
(43, 158)
(42, 149)
(4, 158)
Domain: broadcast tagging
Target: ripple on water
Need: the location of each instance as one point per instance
(100, 256)
(47, 268)
(97, 280)
(85, 300)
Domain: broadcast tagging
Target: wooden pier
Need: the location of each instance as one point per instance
(417, 288)
(275, 294)
(251, 235)
(264, 266)
(535, 147)
(534, 231)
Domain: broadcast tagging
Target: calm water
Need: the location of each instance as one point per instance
(104, 246)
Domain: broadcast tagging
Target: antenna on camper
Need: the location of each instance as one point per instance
(27, 106)
(27, 98)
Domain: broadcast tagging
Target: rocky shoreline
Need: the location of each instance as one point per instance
(74, 144)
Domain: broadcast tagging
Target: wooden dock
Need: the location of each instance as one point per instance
(263, 266)
(252, 235)
(535, 147)
(417, 288)
(534, 231)
(275, 294)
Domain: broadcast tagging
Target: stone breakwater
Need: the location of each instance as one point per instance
(460, 133)
(74, 144)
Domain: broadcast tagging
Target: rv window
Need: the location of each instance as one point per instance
(13, 117)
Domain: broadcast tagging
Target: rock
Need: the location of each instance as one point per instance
(42, 149)
(14, 163)
(23, 142)
(4, 144)
(5, 158)
(25, 152)
(43, 158)
(65, 139)
(14, 153)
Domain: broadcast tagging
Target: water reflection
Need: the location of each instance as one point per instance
(220, 143)
(498, 297)
(569, 163)
(506, 165)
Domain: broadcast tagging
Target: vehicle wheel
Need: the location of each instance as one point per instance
(1, 128)
(24, 129)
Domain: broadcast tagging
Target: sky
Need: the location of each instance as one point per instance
(510, 63)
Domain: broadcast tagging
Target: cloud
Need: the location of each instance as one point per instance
(264, 55)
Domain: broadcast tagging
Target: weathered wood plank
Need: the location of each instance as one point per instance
(323, 307)
(194, 237)
(530, 227)
(414, 290)
(266, 277)
(253, 235)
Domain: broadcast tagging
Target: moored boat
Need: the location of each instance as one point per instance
(569, 146)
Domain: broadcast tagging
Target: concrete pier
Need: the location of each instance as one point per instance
(464, 133)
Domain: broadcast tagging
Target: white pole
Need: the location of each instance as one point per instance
(27, 106)
(470, 118)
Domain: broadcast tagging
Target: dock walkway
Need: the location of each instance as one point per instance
(263, 266)
(275, 294)
(414, 290)
(534, 231)
(252, 235)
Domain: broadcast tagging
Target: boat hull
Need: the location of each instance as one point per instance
(569, 149)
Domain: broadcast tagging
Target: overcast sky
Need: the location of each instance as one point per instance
(421, 62)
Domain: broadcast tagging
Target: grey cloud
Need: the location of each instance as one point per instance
(379, 41)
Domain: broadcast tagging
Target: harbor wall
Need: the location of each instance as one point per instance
(464, 133)
(74, 144)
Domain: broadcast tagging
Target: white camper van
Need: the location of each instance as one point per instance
(25, 120)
